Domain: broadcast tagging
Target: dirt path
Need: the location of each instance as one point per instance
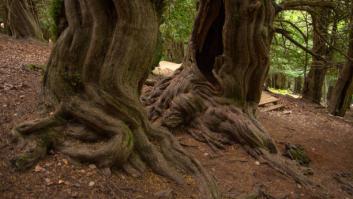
(327, 140)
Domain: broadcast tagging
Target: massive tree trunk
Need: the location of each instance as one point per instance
(215, 94)
(315, 80)
(341, 96)
(22, 19)
(93, 82)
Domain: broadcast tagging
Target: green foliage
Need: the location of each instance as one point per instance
(281, 91)
(297, 153)
(177, 22)
(287, 58)
(34, 67)
(54, 13)
(178, 19)
(48, 13)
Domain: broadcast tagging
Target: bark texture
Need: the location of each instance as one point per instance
(341, 97)
(22, 19)
(93, 82)
(312, 89)
(215, 94)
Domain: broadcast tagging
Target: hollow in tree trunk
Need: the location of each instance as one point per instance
(93, 82)
(312, 89)
(22, 19)
(341, 97)
(220, 83)
(215, 94)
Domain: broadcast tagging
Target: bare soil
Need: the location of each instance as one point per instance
(327, 140)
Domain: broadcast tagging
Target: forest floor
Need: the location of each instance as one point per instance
(327, 140)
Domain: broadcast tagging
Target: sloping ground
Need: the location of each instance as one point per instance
(327, 140)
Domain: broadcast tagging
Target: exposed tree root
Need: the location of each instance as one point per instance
(215, 94)
(183, 104)
(85, 132)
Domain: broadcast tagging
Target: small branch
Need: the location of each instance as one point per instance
(333, 46)
(286, 34)
(295, 27)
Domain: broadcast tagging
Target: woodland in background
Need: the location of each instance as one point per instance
(307, 53)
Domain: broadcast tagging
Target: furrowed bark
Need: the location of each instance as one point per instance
(222, 75)
(93, 82)
(215, 94)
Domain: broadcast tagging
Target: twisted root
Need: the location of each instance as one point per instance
(86, 132)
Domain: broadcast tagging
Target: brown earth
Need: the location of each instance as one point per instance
(327, 140)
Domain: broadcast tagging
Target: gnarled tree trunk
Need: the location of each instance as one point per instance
(215, 94)
(93, 81)
(22, 19)
(312, 89)
(341, 97)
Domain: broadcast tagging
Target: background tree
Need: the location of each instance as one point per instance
(299, 37)
(341, 97)
(93, 81)
(22, 19)
(176, 27)
(321, 19)
(288, 61)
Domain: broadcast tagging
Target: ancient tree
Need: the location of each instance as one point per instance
(215, 94)
(341, 96)
(22, 19)
(93, 82)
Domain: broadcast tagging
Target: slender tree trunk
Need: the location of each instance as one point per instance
(23, 20)
(315, 80)
(93, 82)
(298, 84)
(341, 96)
(174, 50)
